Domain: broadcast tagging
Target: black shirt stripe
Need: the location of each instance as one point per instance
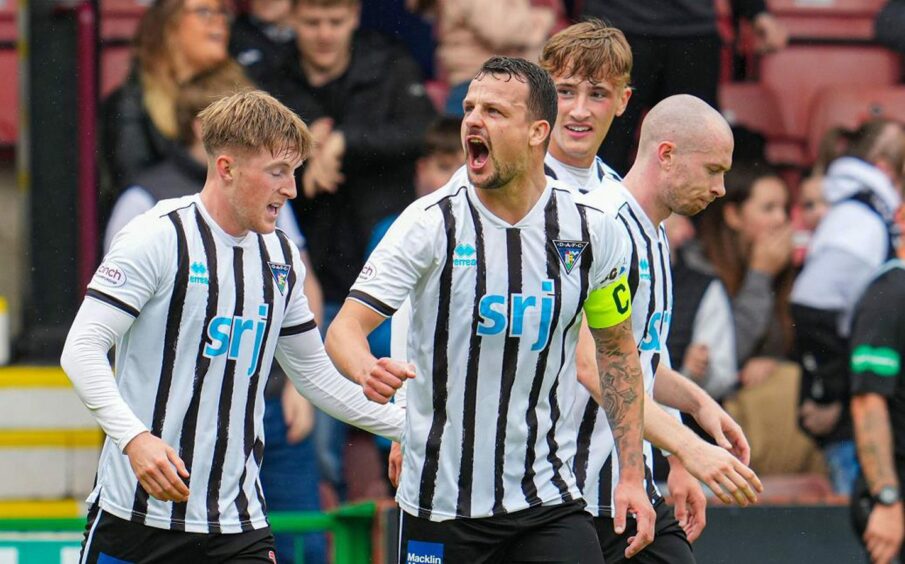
(287, 258)
(374, 303)
(202, 363)
(583, 446)
(466, 464)
(510, 368)
(225, 406)
(652, 300)
(297, 329)
(115, 302)
(170, 343)
(439, 369)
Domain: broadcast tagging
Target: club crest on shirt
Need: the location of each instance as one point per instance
(569, 252)
(280, 274)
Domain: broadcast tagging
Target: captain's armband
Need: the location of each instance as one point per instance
(609, 306)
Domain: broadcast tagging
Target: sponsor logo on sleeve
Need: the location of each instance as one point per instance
(418, 552)
(110, 274)
(368, 272)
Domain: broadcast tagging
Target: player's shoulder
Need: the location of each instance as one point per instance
(154, 226)
(888, 284)
(608, 196)
(429, 208)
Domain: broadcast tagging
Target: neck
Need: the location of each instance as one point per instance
(583, 161)
(319, 76)
(515, 200)
(214, 200)
(642, 182)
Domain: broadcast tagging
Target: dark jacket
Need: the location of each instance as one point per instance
(131, 141)
(666, 18)
(262, 49)
(382, 108)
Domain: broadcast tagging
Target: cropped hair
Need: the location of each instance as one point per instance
(590, 49)
(542, 98)
(250, 121)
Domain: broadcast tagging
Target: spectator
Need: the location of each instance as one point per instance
(471, 31)
(854, 238)
(368, 110)
(746, 241)
(176, 40)
(677, 51)
(290, 476)
(702, 333)
(262, 40)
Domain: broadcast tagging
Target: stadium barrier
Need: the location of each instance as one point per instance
(51, 541)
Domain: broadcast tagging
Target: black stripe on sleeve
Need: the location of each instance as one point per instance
(529, 488)
(510, 369)
(224, 407)
(469, 421)
(605, 486)
(170, 343)
(115, 302)
(439, 370)
(297, 329)
(202, 364)
(633, 275)
(651, 299)
(373, 303)
(267, 283)
(665, 281)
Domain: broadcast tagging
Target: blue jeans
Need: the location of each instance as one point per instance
(290, 477)
(842, 461)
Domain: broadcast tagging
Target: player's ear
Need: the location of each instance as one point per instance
(666, 154)
(539, 132)
(624, 97)
(225, 167)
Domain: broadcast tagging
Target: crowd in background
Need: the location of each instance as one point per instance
(748, 305)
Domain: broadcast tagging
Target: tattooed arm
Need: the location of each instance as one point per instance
(622, 395)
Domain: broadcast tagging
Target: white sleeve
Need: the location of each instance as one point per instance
(131, 204)
(96, 328)
(303, 358)
(713, 327)
(399, 333)
(611, 253)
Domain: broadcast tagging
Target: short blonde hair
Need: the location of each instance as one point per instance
(590, 49)
(250, 121)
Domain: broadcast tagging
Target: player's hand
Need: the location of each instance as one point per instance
(631, 499)
(385, 377)
(885, 529)
(156, 464)
(729, 479)
(757, 370)
(394, 463)
(298, 414)
(688, 499)
(772, 250)
(724, 430)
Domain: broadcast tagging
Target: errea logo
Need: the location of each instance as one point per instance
(198, 274)
(464, 255)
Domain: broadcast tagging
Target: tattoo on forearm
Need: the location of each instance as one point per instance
(874, 441)
(621, 389)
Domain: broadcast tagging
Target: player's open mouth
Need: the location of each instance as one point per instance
(578, 130)
(478, 152)
(273, 209)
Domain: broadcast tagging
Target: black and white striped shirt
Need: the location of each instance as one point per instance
(650, 281)
(199, 316)
(496, 310)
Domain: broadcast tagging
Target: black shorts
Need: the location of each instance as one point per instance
(111, 540)
(560, 534)
(670, 544)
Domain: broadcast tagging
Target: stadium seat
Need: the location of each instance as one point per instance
(754, 107)
(9, 97)
(8, 31)
(796, 74)
(839, 20)
(850, 106)
(115, 64)
(119, 19)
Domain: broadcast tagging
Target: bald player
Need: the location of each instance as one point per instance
(685, 150)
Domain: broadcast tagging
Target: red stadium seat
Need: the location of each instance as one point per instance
(9, 97)
(796, 74)
(115, 64)
(8, 31)
(843, 20)
(119, 19)
(850, 106)
(753, 106)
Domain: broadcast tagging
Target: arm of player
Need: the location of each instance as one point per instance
(347, 344)
(674, 390)
(307, 365)
(96, 328)
(622, 398)
(873, 437)
(688, 499)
